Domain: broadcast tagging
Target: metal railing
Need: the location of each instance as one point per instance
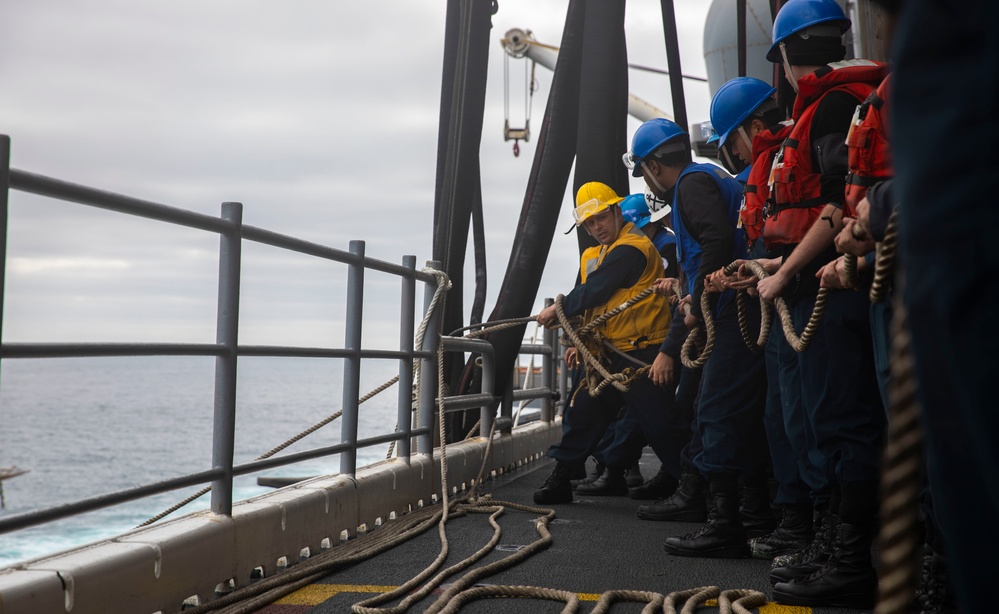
(226, 349)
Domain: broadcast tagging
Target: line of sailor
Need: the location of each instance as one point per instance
(751, 433)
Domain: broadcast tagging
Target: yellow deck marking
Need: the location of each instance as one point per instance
(776, 608)
(314, 594)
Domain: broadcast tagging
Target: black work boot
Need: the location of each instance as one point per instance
(556, 488)
(633, 476)
(934, 594)
(846, 580)
(793, 534)
(611, 484)
(685, 505)
(660, 486)
(723, 536)
(757, 516)
(596, 473)
(814, 555)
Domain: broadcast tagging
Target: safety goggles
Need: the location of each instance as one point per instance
(708, 132)
(588, 209)
(630, 161)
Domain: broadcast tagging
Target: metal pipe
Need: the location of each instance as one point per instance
(428, 372)
(37, 517)
(73, 192)
(352, 363)
(519, 44)
(488, 411)
(404, 418)
(548, 371)
(4, 210)
(226, 336)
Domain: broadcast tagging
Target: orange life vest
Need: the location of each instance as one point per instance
(795, 186)
(867, 144)
(754, 203)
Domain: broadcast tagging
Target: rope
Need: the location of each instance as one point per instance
(766, 316)
(654, 601)
(739, 601)
(798, 342)
(587, 358)
(495, 325)
(885, 262)
(691, 598)
(599, 320)
(900, 483)
(687, 357)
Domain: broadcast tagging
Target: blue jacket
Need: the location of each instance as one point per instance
(688, 250)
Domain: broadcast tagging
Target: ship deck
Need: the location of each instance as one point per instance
(598, 545)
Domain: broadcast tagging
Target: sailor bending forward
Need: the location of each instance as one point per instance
(624, 264)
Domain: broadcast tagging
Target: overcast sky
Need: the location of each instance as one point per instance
(320, 117)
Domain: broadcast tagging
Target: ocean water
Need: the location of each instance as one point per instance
(85, 427)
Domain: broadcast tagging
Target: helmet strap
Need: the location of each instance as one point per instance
(745, 138)
(648, 173)
(787, 66)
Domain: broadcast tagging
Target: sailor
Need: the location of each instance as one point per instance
(635, 209)
(705, 203)
(623, 264)
(945, 183)
(845, 420)
(687, 502)
(868, 204)
(750, 124)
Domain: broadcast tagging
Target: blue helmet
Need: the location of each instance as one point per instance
(649, 137)
(796, 15)
(635, 210)
(736, 100)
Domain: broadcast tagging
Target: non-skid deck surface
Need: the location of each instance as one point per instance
(599, 544)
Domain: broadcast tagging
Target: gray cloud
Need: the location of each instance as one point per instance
(321, 117)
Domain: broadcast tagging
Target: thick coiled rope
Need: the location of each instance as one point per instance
(766, 315)
(900, 483)
(586, 357)
(884, 263)
(797, 342)
(697, 347)
(690, 598)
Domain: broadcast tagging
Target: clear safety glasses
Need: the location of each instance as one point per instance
(708, 132)
(629, 161)
(588, 209)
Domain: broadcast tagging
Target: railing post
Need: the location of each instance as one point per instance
(227, 336)
(548, 371)
(428, 372)
(486, 414)
(506, 404)
(406, 332)
(4, 205)
(352, 363)
(564, 377)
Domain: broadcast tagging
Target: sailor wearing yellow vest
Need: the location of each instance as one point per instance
(624, 264)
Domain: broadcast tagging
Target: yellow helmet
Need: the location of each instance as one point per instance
(591, 199)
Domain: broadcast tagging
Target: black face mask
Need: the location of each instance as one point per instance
(814, 50)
